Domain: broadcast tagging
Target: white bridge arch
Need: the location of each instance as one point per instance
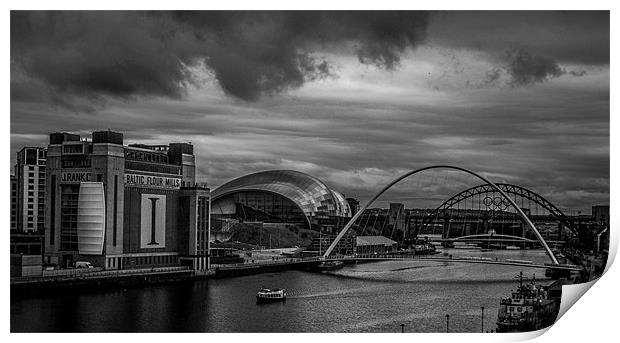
(521, 213)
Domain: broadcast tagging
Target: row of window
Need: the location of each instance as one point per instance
(76, 163)
(166, 259)
(145, 156)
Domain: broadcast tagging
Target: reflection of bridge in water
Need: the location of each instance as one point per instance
(496, 203)
(461, 259)
(491, 240)
(406, 258)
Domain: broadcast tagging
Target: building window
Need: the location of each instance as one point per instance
(68, 217)
(73, 149)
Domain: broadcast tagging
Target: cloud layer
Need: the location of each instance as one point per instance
(128, 54)
(352, 98)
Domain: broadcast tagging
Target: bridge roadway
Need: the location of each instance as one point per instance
(422, 258)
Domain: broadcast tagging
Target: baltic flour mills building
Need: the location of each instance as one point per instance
(123, 207)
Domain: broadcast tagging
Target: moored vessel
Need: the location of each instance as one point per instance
(529, 308)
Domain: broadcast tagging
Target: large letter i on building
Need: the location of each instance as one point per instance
(153, 220)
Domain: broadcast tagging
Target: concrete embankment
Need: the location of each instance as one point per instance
(86, 282)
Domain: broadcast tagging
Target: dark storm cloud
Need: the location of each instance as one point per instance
(525, 69)
(525, 47)
(573, 37)
(129, 54)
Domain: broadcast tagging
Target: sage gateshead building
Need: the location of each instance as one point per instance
(281, 196)
(123, 207)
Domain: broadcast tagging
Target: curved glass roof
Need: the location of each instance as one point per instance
(312, 196)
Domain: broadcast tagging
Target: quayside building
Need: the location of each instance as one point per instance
(123, 206)
(28, 191)
(281, 196)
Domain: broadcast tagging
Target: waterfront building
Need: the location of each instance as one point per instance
(282, 196)
(28, 190)
(320, 243)
(124, 206)
(365, 245)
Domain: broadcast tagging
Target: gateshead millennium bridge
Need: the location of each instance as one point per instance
(503, 201)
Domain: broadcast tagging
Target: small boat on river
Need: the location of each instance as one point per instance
(266, 295)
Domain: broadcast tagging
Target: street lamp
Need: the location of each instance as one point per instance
(482, 320)
(447, 323)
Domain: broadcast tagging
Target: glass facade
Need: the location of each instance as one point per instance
(68, 217)
(263, 206)
(279, 195)
(202, 226)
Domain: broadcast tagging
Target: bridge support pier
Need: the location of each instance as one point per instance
(445, 230)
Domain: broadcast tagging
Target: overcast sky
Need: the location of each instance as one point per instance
(353, 98)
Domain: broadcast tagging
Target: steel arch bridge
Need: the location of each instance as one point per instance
(515, 190)
(519, 211)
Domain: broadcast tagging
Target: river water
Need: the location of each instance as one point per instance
(370, 297)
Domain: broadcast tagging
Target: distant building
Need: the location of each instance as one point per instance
(550, 230)
(13, 203)
(354, 205)
(122, 207)
(397, 217)
(346, 245)
(600, 214)
(374, 244)
(28, 196)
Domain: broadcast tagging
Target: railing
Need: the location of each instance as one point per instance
(257, 263)
(70, 272)
(93, 273)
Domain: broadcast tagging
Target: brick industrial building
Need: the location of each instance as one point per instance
(123, 207)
